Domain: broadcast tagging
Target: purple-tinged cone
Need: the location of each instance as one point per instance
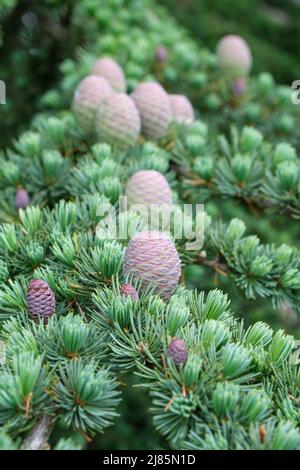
(161, 54)
(111, 70)
(239, 86)
(234, 56)
(40, 300)
(88, 96)
(22, 199)
(148, 187)
(127, 290)
(118, 121)
(177, 350)
(152, 258)
(182, 109)
(154, 106)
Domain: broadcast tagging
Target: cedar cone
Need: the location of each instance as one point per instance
(111, 70)
(21, 199)
(155, 109)
(182, 109)
(152, 258)
(234, 56)
(127, 290)
(177, 350)
(40, 300)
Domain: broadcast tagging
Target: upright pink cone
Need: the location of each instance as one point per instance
(111, 70)
(127, 290)
(182, 109)
(148, 187)
(177, 350)
(155, 109)
(90, 92)
(234, 56)
(118, 121)
(22, 199)
(152, 258)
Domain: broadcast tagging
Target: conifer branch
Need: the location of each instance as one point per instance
(37, 438)
(214, 383)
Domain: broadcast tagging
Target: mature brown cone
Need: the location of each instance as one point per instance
(40, 300)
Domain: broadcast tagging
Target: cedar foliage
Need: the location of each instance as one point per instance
(239, 387)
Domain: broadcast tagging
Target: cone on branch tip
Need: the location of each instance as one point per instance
(127, 290)
(22, 199)
(152, 258)
(40, 300)
(118, 121)
(161, 54)
(91, 91)
(234, 56)
(239, 86)
(112, 71)
(182, 109)
(177, 351)
(154, 106)
(148, 187)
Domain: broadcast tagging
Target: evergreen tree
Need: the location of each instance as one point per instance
(75, 316)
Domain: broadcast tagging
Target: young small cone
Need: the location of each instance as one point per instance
(22, 199)
(118, 121)
(127, 290)
(111, 70)
(40, 300)
(239, 87)
(152, 258)
(161, 54)
(155, 109)
(182, 109)
(177, 350)
(234, 56)
(90, 92)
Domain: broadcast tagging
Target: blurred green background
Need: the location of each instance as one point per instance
(271, 27)
(35, 36)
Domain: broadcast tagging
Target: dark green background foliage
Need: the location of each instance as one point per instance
(272, 28)
(45, 53)
(34, 48)
(36, 36)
